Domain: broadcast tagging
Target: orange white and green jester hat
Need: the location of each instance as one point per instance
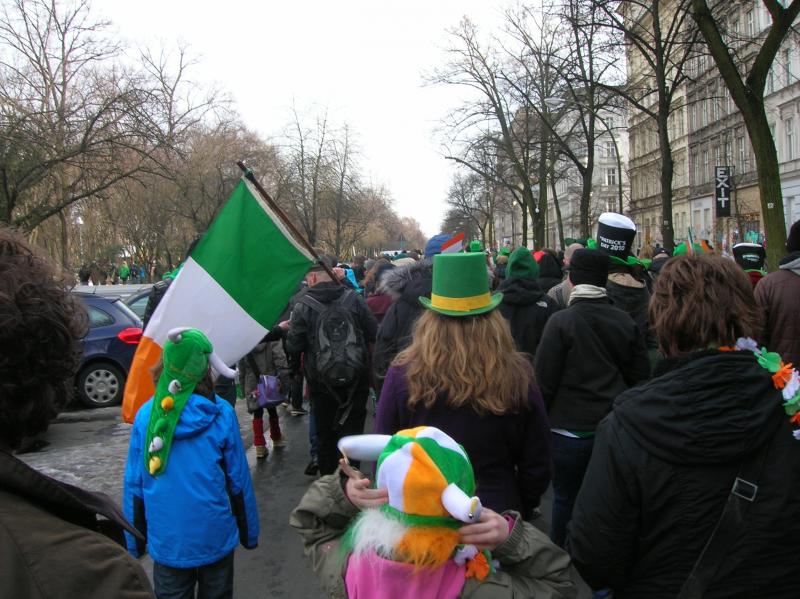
(431, 488)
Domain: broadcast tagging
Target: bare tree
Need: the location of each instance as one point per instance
(471, 197)
(744, 71)
(65, 113)
(659, 36)
(492, 108)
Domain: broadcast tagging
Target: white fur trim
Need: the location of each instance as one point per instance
(376, 532)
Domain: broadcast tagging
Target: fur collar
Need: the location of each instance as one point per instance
(394, 282)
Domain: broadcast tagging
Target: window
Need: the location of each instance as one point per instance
(692, 111)
(705, 173)
(611, 151)
(704, 114)
(717, 160)
(751, 24)
(611, 176)
(742, 154)
(695, 173)
(98, 318)
(771, 81)
(787, 65)
(789, 131)
(728, 153)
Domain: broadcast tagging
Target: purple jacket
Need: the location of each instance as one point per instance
(510, 454)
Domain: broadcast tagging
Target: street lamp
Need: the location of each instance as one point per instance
(556, 103)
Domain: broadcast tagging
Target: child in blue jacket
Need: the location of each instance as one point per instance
(187, 483)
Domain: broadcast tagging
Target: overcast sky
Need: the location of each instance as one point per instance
(362, 59)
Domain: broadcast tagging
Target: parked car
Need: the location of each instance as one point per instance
(108, 349)
(137, 301)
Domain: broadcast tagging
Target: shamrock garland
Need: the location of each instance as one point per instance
(785, 378)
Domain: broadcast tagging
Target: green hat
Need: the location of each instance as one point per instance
(504, 251)
(460, 286)
(186, 359)
(475, 246)
(522, 265)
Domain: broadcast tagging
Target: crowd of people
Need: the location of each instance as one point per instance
(655, 393)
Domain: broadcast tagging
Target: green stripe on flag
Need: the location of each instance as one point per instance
(252, 257)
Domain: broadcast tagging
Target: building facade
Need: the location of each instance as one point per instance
(707, 130)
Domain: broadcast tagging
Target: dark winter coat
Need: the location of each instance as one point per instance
(510, 454)
(778, 294)
(60, 542)
(630, 294)
(299, 338)
(406, 284)
(527, 308)
(380, 303)
(550, 273)
(663, 464)
(589, 354)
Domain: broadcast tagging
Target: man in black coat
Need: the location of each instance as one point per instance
(338, 411)
(589, 353)
(526, 307)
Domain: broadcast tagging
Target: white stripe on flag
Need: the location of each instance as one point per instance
(195, 299)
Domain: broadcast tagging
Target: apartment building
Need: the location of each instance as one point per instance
(707, 130)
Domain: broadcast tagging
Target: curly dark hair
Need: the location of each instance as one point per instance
(702, 301)
(41, 325)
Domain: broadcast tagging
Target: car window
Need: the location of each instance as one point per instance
(98, 318)
(140, 305)
(126, 310)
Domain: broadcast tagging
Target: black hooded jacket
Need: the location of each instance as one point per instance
(663, 464)
(300, 337)
(550, 273)
(526, 308)
(406, 284)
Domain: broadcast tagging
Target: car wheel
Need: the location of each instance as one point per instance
(100, 384)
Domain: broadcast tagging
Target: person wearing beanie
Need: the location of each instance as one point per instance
(486, 400)
(628, 282)
(588, 354)
(405, 284)
(187, 484)
(419, 532)
(560, 293)
(550, 272)
(778, 295)
(525, 305)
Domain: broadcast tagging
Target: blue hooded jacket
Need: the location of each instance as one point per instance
(203, 505)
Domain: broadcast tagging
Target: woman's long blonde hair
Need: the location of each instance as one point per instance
(470, 360)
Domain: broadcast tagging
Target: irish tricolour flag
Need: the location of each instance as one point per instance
(233, 287)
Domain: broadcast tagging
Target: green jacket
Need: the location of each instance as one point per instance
(531, 566)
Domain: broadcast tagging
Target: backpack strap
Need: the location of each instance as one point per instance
(313, 303)
(729, 527)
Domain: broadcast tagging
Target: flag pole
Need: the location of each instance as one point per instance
(248, 174)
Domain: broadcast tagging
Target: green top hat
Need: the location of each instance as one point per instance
(460, 286)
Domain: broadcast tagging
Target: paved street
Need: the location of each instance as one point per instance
(88, 448)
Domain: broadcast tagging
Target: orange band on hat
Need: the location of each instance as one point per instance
(461, 304)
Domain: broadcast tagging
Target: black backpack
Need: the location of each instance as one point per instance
(337, 342)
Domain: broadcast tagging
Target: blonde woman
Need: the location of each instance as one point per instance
(462, 374)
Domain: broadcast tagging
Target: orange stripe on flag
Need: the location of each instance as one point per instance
(424, 484)
(139, 387)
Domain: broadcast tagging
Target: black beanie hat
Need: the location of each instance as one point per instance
(615, 233)
(793, 241)
(750, 256)
(589, 267)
